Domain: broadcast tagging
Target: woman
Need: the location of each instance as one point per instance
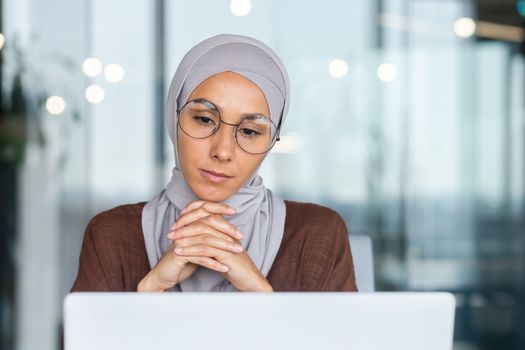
(215, 227)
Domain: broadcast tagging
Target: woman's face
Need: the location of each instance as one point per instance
(235, 96)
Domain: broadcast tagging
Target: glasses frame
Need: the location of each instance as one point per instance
(276, 138)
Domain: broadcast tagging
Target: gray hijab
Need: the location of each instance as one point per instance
(260, 213)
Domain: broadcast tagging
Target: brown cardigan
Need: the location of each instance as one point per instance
(314, 254)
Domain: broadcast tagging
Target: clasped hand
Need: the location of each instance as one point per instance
(202, 237)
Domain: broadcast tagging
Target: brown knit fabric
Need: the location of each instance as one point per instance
(314, 254)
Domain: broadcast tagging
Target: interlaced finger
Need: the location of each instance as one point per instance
(209, 240)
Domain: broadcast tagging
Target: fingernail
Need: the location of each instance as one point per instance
(231, 210)
(238, 248)
(239, 234)
(225, 268)
(178, 250)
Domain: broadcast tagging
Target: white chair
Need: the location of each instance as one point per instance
(362, 254)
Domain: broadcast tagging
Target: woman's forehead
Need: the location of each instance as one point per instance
(232, 92)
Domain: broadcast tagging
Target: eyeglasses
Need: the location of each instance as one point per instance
(254, 134)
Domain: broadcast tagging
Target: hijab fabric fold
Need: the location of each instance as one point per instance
(260, 214)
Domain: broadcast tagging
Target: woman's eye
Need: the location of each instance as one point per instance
(249, 132)
(204, 120)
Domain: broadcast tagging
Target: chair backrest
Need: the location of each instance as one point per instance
(362, 254)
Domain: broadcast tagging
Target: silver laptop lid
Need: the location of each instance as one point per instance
(353, 321)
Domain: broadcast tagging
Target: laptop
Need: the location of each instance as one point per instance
(253, 321)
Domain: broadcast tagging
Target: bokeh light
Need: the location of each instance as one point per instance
(290, 143)
(464, 27)
(92, 67)
(95, 93)
(337, 68)
(114, 73)
(240, 8)
(55, 105)
(387, 72)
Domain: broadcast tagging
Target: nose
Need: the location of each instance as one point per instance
(223, 143)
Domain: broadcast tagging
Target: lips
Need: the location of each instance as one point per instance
(214, 176)
(216, 173)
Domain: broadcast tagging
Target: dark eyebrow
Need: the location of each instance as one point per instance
(206, 102)
(203, 109)
(253, 116)
(218, 108)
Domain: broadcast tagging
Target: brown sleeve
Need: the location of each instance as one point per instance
(113, 256)
(91, 275)
(327, 258)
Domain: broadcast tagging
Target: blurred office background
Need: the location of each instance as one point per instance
(407, 117)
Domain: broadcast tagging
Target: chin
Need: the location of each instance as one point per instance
(210, 194)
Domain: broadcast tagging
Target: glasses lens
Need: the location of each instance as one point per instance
(256, 134)
(199, 120)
